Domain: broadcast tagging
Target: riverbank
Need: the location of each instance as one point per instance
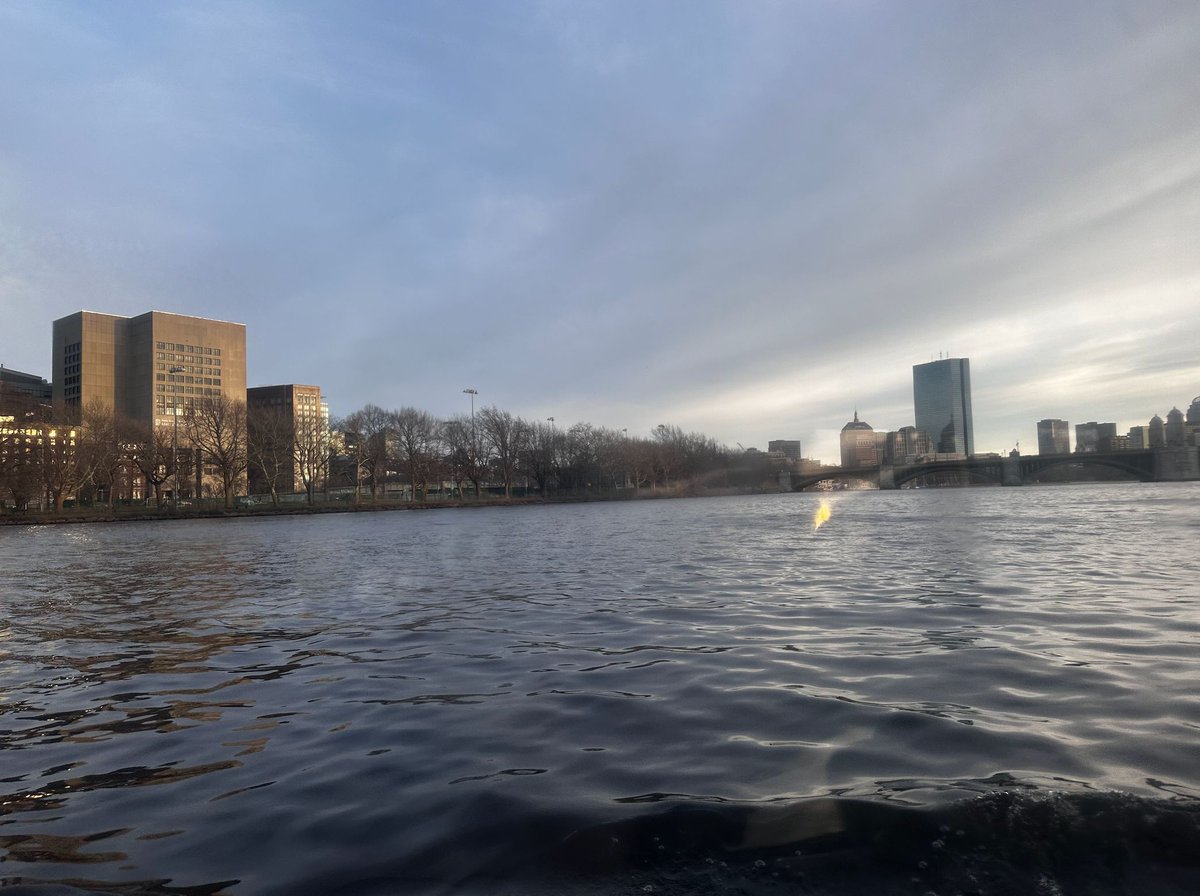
(150, 514)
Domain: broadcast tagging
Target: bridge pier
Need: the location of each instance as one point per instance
(1176, 464)
(887, 476)
(1012, 471)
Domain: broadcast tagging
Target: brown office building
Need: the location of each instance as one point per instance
(302, 422)
(127, 363)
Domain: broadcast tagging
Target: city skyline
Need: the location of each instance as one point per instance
(945, 381)
(745, 221)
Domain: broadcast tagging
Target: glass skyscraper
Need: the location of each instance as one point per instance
(942, 401)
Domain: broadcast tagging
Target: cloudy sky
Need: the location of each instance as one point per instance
(743, 218)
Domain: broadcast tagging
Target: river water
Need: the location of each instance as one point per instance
(939, 691)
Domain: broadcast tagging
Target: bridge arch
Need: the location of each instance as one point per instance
(991, 474)
(1139, 465)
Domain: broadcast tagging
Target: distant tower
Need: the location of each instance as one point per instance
(1193, 414)
(942, 402)
(1158, 434)
(1091, 437)
(1174, 431)
(1054, 437)
(858, 444)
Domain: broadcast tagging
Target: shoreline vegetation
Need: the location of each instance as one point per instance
(217, 509)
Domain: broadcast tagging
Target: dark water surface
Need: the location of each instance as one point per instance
(941, 691)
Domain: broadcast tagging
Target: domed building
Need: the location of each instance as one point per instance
(1158, 434)
(1193, 414)
(859, 444)
(1174, 431)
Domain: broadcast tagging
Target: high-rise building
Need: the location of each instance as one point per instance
(1158, 432)
(1054, 437)
(942, 402)
(859, 444)
(789, 448)
(150, 368)
(1174, 430)
(1091, 437)
(295, 417)
(906, 444)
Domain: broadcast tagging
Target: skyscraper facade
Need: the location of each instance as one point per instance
(147, 368)
(942, 402)
(1054, 437)
(859, 445)
(1091, 437)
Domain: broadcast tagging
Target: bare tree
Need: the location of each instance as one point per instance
(610, 457)
(537, 456)
(365, 431)
(60, 462)
(667, 453)
(310, 453)
(580, 470)
(457, 452)
(639, 457)
(104, 437)
(20, 473)
(414, 444)
(151, 451)
(505, 436)
(217, 426)
(269, 449)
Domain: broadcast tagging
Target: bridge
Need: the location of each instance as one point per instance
(1147, 465)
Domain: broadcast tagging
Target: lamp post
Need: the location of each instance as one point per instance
(625, 457)
(472, 393)
(175, 441)
(474, 441)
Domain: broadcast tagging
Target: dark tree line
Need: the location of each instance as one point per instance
(100, 456)
(497, 449)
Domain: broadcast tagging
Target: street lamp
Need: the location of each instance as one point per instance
(474, 439)
(175, 441)
(472, 393)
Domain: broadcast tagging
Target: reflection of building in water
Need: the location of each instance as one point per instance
(1091, 437)
(942, 401)
(859, 444)
(1054, 436)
